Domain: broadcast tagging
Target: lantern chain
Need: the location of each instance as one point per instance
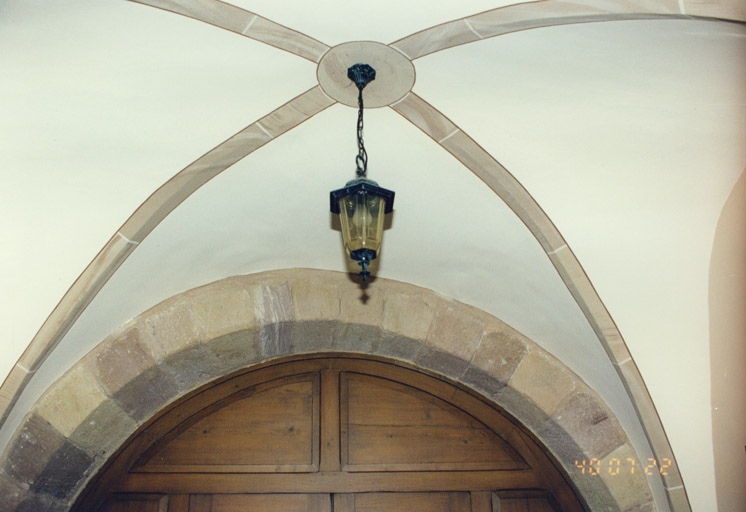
(361, 160)
(361, 74)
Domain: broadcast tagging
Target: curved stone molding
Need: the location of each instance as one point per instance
(549, 13)
(233, 324)
(245, 23)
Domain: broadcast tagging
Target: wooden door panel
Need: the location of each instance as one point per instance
(136, 503)
(524, 501)
(274, 429)
(403, 502)
(388, 426)
(287, 437)
(261, 503)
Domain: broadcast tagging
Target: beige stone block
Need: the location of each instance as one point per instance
(408, 314)
(316, 298)
(500, 353)
(360, 306)
(76, 395)
(625, 477)
(219, 309)
(542, 379)
(120, 359)
(457, 330)
(272, 301)
(168, 327)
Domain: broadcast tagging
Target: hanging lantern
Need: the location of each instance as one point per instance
(361, 203)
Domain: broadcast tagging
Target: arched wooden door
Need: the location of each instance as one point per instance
(339, 434)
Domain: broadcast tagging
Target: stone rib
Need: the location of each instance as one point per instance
(245, 23)
(509, 189)
(548, 13)
(162, 202)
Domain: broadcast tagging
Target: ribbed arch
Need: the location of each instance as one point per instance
(235, 324)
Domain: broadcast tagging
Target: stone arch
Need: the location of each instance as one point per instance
(213, 331)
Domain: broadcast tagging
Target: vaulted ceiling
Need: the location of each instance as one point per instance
(625, 137)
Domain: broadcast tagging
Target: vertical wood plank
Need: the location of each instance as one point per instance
(200, 503)
(178, 503)
(344, 502)
(460, 501)
(330, 456)
(481, 502)
(319, 503)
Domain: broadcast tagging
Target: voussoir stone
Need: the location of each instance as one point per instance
(146, 393)
(169, 327)
(12, 493)
(41, 503)
(316, 298)
(64, 473)
(102, 431)
(221, 308)
(408, 314)
(359, 306)
(233, 351)
(542, 379)
(272, 302)
(590, 424)
(75, 396)
(629, 489)
(121, 358)
(500, 353)
(456, 329)
(34, 445)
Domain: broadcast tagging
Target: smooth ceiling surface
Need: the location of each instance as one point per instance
(629, 134)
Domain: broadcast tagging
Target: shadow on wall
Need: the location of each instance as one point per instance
(727, 303)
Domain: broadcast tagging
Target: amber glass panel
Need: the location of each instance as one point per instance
(362, 221)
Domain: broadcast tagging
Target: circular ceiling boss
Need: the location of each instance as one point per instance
(394, 73)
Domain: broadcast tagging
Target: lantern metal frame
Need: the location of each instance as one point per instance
(361, 75)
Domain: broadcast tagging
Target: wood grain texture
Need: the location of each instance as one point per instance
(330, 457)
(266, 502)
(413, 481)
(392, 427)
(273, 430)
(245, 23)
(137, 503)
(481, 502)
(422, 400)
